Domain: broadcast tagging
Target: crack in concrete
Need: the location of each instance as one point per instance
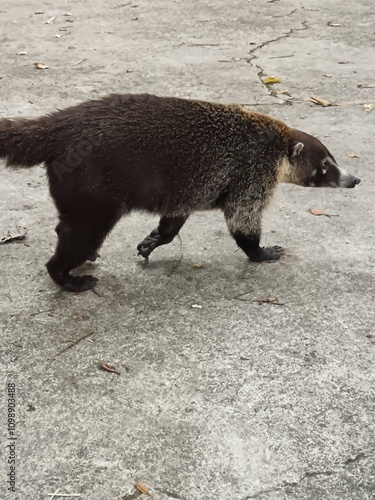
(357, 458)
(253, 56)
(170, 494)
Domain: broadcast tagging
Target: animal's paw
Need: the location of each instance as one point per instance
(268, 253)
(148, 245)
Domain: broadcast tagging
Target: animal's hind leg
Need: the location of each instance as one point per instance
(79, 237)
(167, 229)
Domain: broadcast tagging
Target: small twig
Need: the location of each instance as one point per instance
(79, 62)
(202, 44)
(64, 494)
(281, 57)
(96, 292)
(119, 6)
(238, 296)
(54, 494)
(74, 342)
(180, 259)
(266, 301)
(41, 312)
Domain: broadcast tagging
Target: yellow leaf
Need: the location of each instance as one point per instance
(40, 65)
(269, 80)
(369, 107)
(142, 488)
(197, 266)
(352, 155)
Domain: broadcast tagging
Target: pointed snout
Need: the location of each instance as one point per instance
(353, 181)
(348, 180)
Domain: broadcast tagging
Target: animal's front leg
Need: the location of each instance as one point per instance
(249, 243)
(245, 226)
(168, 228)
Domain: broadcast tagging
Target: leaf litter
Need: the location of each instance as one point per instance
(368, 107)
(17, 237)
(318, 212)
(40, 65)
(270, 80)
(107, 367)
(320, 102)
(142, 488)
(352, 155)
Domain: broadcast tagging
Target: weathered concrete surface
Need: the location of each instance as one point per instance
(234, 400)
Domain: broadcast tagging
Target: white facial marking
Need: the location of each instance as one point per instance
(344, 177)
(285, 171)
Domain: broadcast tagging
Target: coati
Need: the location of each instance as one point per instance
(165, 155)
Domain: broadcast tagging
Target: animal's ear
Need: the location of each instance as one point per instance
(297, 148)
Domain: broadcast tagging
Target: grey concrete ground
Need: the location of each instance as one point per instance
(233, 400)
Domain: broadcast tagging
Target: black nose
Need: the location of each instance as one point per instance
(356, 181)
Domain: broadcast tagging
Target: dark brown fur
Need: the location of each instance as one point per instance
(169, 156)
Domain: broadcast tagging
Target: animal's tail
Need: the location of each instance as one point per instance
(24, 142)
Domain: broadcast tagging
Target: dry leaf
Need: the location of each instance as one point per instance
(352, 155)
(142, 488)
(80, 316)
(286, 91)
(197, 266)
(269, 80)
(269, 300)
(226, 60)
(320, 101)
(107, 367)
(317, 211)
(50, 21)
(272, 299)
(368, 107)
(67, 14)
(10, 238)
(41, 65)
(333, 25)
(22, 53)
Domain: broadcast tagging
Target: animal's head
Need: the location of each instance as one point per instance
(309, 163)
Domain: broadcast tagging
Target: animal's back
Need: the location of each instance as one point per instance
(152, 153)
